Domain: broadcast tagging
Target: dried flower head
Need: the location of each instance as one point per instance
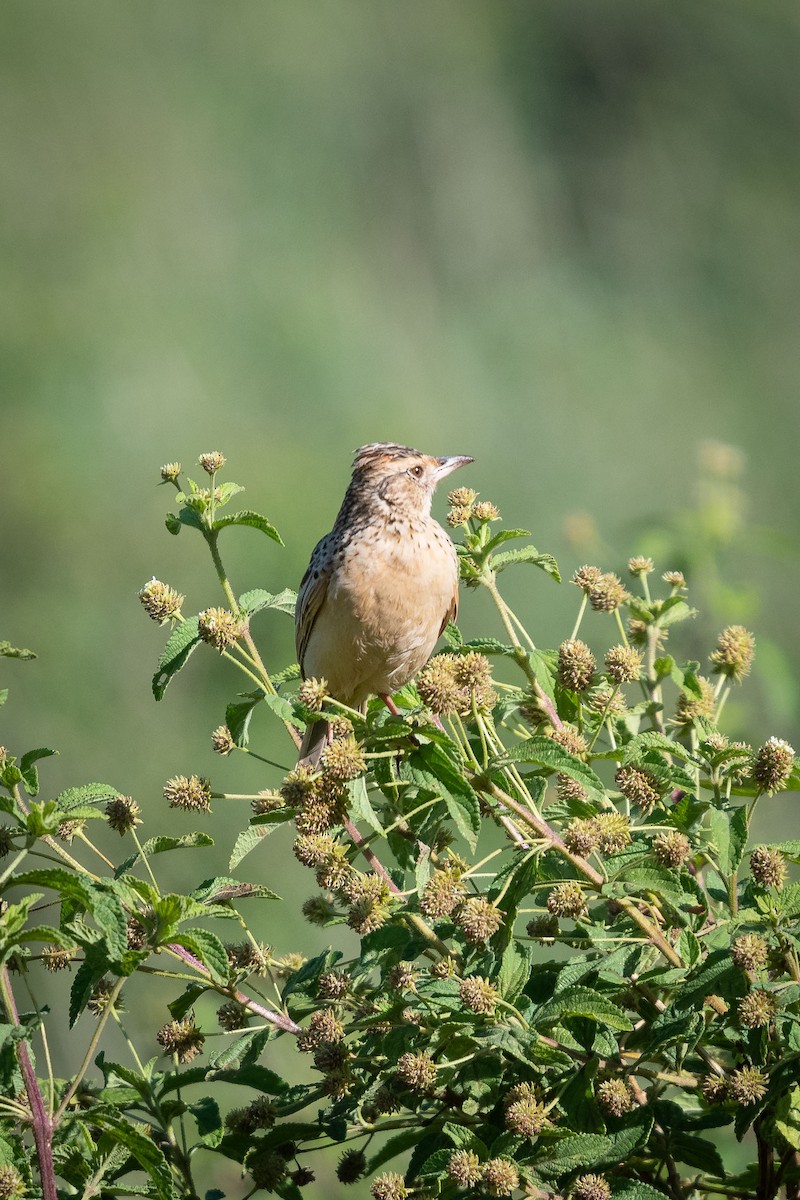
(313, 693)
(567, 900)
(369, 897)
(416, 1071)
(298, 787)
(462, 497)
(189, 792)
(479, 995)
(747, 1085)
(443, 891)
(266, 802)
(248, 958)
(268, 1170)
(342, 760)
(318, 911)
(500, 1177)
(123, 813)
(676, 579)
(568, 788)
(613, 832)
(714, 1089)
(570, 740)
(6, 840)
(607, 593)
(170, 471)
(581, 836)
(181, 1038)
(527, 1117)
(403, 977)
(672, 849)
(768, 867)
(465, 1168)
(757, 1009)
(56, 958)
(484, 510)
(389, 1186)
(606, 700)
(478, 919)
(640, 564)
(219, 628)
(351, 1166)
(586, 577)
(259, 1114)
(212, 462)
(445, 968)
(324, 1026)
(623, 664)
(734, 651)
(68, 830)
(222, 741)
(772, 765)
(233, 1015)
(749, 951)
(690, 705)
(591, 1187)
(12, 1185)
(543, 928)
(100, 998)
(638, 785)
(333, 985)
(615, 1096)
(576, 665)
(160, 601)
(458, 515)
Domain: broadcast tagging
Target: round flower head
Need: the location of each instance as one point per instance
(189, 792)
(500, 1177)
(389, 1186)
(465, 1168)
(459, 515)
(222, 740)
(342, 760)
(576, 665)
(100, 999)
(351, 1166)
(640, 565)
(56, 959)
(266, 801)
(313, 693)
(586, 577)
(323, 1027)
(527, 1117)
(591, 1187)
(567, 900)
(123, 813)
(181, 1038)
(676, 580)
(613, 832)
(568, 788)
(768, 867)
(733, 655)
(160, 601)
(416, 1071)
(750, 952)
(12, 1185)
(672, 849)
(690, 705)
(571, 740)
(747, 1085)
(543, 928)
(212, 462)
(607, 593)
(714, 1089)
(233, 1016)
(638, 785)
(478, 919)
(442, 893)
(403, 978)
(623, 664)
(581, 836)
(615, 1096)
(268, 1170)
(484, 510)
(333, 985)
(219, 628)
(773, 765)
(462, 497)
(479, 995)
(170, 471)
(757, 1009)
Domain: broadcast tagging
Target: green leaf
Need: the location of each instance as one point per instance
(90, 793)
(9, 651)
(527, 554)
(252, 519)
(253, 601)
(282, 708)
(638, 1191)
(222, 889)
(141, 1146)
(633, 750)
(787, 1116)
(395, 1145)
(181, 643)
(361, 806)
(515, 967)
(729, 835)
(158, 845)
(247, 840)
(486, 645)
(544, 752)
(505, 535)
(209, 949)
(30, 776)
(238, 714)
(582, 1002)
(209, 1122)
(432, 768)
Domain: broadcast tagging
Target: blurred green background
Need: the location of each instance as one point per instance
(562, 237)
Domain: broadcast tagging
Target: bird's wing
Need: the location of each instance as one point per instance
(452, 611)
(311, 596)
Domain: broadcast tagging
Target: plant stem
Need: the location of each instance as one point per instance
(280, 1020)
(90, 1050)
(42, 1124)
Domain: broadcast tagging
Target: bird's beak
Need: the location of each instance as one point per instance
(446, 465)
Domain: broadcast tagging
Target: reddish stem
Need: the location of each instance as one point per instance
(275, 1018)
(42, 1125)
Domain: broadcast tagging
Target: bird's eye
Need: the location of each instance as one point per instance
(416, 472)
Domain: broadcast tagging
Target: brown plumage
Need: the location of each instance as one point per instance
(382, 585)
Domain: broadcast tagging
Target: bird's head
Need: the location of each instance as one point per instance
(400, 477)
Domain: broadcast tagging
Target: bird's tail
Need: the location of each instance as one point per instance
(314, 741)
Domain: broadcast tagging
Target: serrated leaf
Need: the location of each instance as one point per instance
(430, 767)
(361, 805)
(544, 752)
(209, 1121)
(486, 645)
(9, 651)
(515, 967)
(527, 554)
(247, 840)
(30, 775)
(582, 1002)
(159, 845)
(729, 834)
(208, 949)
(141, 1146)
(182, 642)
(637, 1191)
(253, 601)
(650, 740)
(251, 519)
(221, 889)
(395, 1145)
(90, 793)
(238, 714)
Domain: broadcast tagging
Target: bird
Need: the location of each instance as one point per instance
(381, 586)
